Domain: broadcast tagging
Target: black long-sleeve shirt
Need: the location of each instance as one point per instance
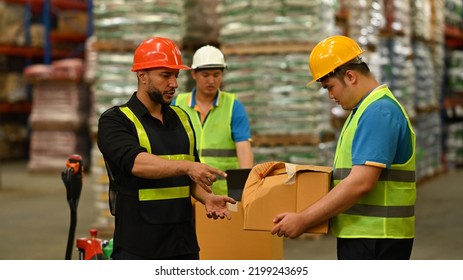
(152, 235)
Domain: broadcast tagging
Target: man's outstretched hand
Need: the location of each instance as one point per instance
(216, 206)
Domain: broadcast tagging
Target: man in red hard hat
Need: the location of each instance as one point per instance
(150, 152)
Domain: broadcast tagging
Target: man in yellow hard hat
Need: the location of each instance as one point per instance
(150, 151)
(371, 203)
(220, 120)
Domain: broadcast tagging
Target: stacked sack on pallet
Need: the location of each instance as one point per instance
(279, 21)
(202, 26)
(405, 50)
(453, 112)
(428, 60)
(267, 45)
(119, 27)
(58, 119)
(133, 21)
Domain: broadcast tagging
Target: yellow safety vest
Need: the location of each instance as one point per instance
(148, 194)
(388, 210)
(213, 139)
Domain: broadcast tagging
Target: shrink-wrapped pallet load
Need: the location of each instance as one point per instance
(58, 119)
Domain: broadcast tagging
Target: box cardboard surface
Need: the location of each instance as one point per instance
(274, 194)
(72, 22)
(227, 240)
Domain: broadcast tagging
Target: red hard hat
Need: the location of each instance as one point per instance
(158, 52)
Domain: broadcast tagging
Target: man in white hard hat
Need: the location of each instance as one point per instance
(220, 120)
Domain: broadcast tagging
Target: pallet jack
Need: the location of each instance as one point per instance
(90, 248)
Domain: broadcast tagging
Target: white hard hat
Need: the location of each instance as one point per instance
(208, 57)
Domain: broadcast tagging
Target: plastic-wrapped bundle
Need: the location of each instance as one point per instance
(437, 22)
(428, 131)
(426, 96)
(12, 24)
(438, 61)
(398, 71)
(374, 60)
(252, 21)
(453, 10)
(397, 14)
(273, 89)
(454, 144)
(366, 19)
(134, 21)
(201, 22)
(455, 71)
(321, 154)
(421, 18)
(50, 148)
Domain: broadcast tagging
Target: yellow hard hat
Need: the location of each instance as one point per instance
(331, 53)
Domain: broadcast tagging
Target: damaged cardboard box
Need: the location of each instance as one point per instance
(277, 187)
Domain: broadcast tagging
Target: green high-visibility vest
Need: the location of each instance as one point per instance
(388, 210)
(214, 139)
(147, 194)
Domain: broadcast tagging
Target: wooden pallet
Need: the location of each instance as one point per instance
(227, 49)
(130, 46)
(114, 46)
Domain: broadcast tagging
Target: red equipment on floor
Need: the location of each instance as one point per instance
(90, 247)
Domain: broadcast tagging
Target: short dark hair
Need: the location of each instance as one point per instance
(356, 64)
(209, 68)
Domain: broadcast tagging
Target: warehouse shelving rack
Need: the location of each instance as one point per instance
(44, 10)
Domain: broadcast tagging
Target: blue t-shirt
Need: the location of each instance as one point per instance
(382, 135)
(241, 130)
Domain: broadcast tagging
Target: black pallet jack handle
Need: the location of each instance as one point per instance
(72, 178)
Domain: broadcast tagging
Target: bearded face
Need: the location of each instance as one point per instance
(159, 97)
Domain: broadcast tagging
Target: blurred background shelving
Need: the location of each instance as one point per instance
(64, 62)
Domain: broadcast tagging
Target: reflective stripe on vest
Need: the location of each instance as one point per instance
(163, 193)
(386, 175)
(214, 138)
(186, 124)
(218, 153)
(178, 157)
(387, 211)
(381, 211)
(142, 137)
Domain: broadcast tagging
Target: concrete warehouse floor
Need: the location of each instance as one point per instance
(35, 218)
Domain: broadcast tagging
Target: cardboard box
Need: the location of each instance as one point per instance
(227, 240)
(281, 188)
(72, 22)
